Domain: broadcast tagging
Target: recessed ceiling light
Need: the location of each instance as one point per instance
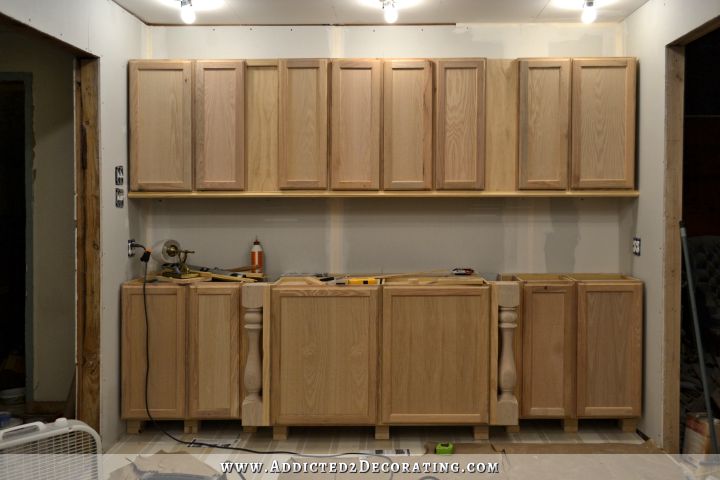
(187, 13)
(589, 13)
(390, 11)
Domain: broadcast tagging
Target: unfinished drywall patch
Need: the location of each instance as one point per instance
(53, 208)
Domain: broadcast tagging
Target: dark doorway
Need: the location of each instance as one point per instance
(15, 320)
(701, 214)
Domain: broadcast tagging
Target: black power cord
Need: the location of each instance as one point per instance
(145, 258)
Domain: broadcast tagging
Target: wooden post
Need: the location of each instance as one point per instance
(252, 405)
(508, 295)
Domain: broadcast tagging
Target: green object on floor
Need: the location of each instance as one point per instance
(444, 449)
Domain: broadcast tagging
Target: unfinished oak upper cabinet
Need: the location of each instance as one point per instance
(303, 124)
(407, 125)
(548, 346)
(355, 124)
(603, 123)
(460, 123)
(544, 124)
(609, 355)
(324, 355)
(166, 320)
(214, 351)
(435, 355)
(219, 125)
(160, 125)
(262, 130)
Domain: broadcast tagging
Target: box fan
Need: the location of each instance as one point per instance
(63, 450)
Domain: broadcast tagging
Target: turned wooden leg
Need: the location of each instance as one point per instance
(280, 433)
(248, 429)
(628, 425)
(382, 432)
(192, 426)
(481, 432)
(134, 427)
(512, 428)
(570, 425)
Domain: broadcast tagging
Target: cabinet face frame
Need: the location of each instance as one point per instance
(343, 122)
(481, 415)
(475, 161)
(318, 122)
(402, 152)
(133, 367)
(208, 155)
(278, 294)
(533, 335)
(544, 130)
(588, 407)
(182, 132)
(579, 178)
(262, 124)
(198, 376)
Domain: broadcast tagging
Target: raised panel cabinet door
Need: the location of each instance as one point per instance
(219, 125)
(166, 318)
(435, 355)
(324, 355)
(609, 366)
(355, 124)
(603, 123)
(214, 351)
(460, 123)
(160, 125)
(303, 124)
(407, 126)
(262, 127)
(544, 124)
(549, 345)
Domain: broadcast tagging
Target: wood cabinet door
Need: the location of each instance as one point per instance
(609, 364)
(435, 355)
(549, 344)
(324, 355)
(460, 123)
(407, 127)
(214, 351)
(603, 123)
(166, 318)
(303, 124)
(160, 125)
(219, 125)
(544, 124)
(355, 126)
(262, 131)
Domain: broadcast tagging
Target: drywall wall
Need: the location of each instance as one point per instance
(101, 28)
(647, 32)
(52, 209)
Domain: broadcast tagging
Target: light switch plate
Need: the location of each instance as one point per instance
(119, 175)
(119, 197)
(636, 246)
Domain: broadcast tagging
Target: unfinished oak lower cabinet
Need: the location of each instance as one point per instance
(324, 355)
(435, 355)
(214, 351)
(166, 383)
(609, 352)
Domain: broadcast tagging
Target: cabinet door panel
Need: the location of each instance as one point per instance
(160, 125)
(166, 317)
(214, 351)
(324, 355)
(407, 127)
(609, 350)
(435, 355)
(356, 93)
(549, 344)
(219, 125)
(460, 121)
(544, 134)
(303, 124)
(262, 105)
(603, 113)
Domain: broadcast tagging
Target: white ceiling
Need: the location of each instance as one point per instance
(339, 12)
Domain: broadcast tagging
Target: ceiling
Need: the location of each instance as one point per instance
(339, 12)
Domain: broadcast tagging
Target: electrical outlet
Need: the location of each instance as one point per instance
(636, 246)
(119, 197)
(131, 250)
(119, 175)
